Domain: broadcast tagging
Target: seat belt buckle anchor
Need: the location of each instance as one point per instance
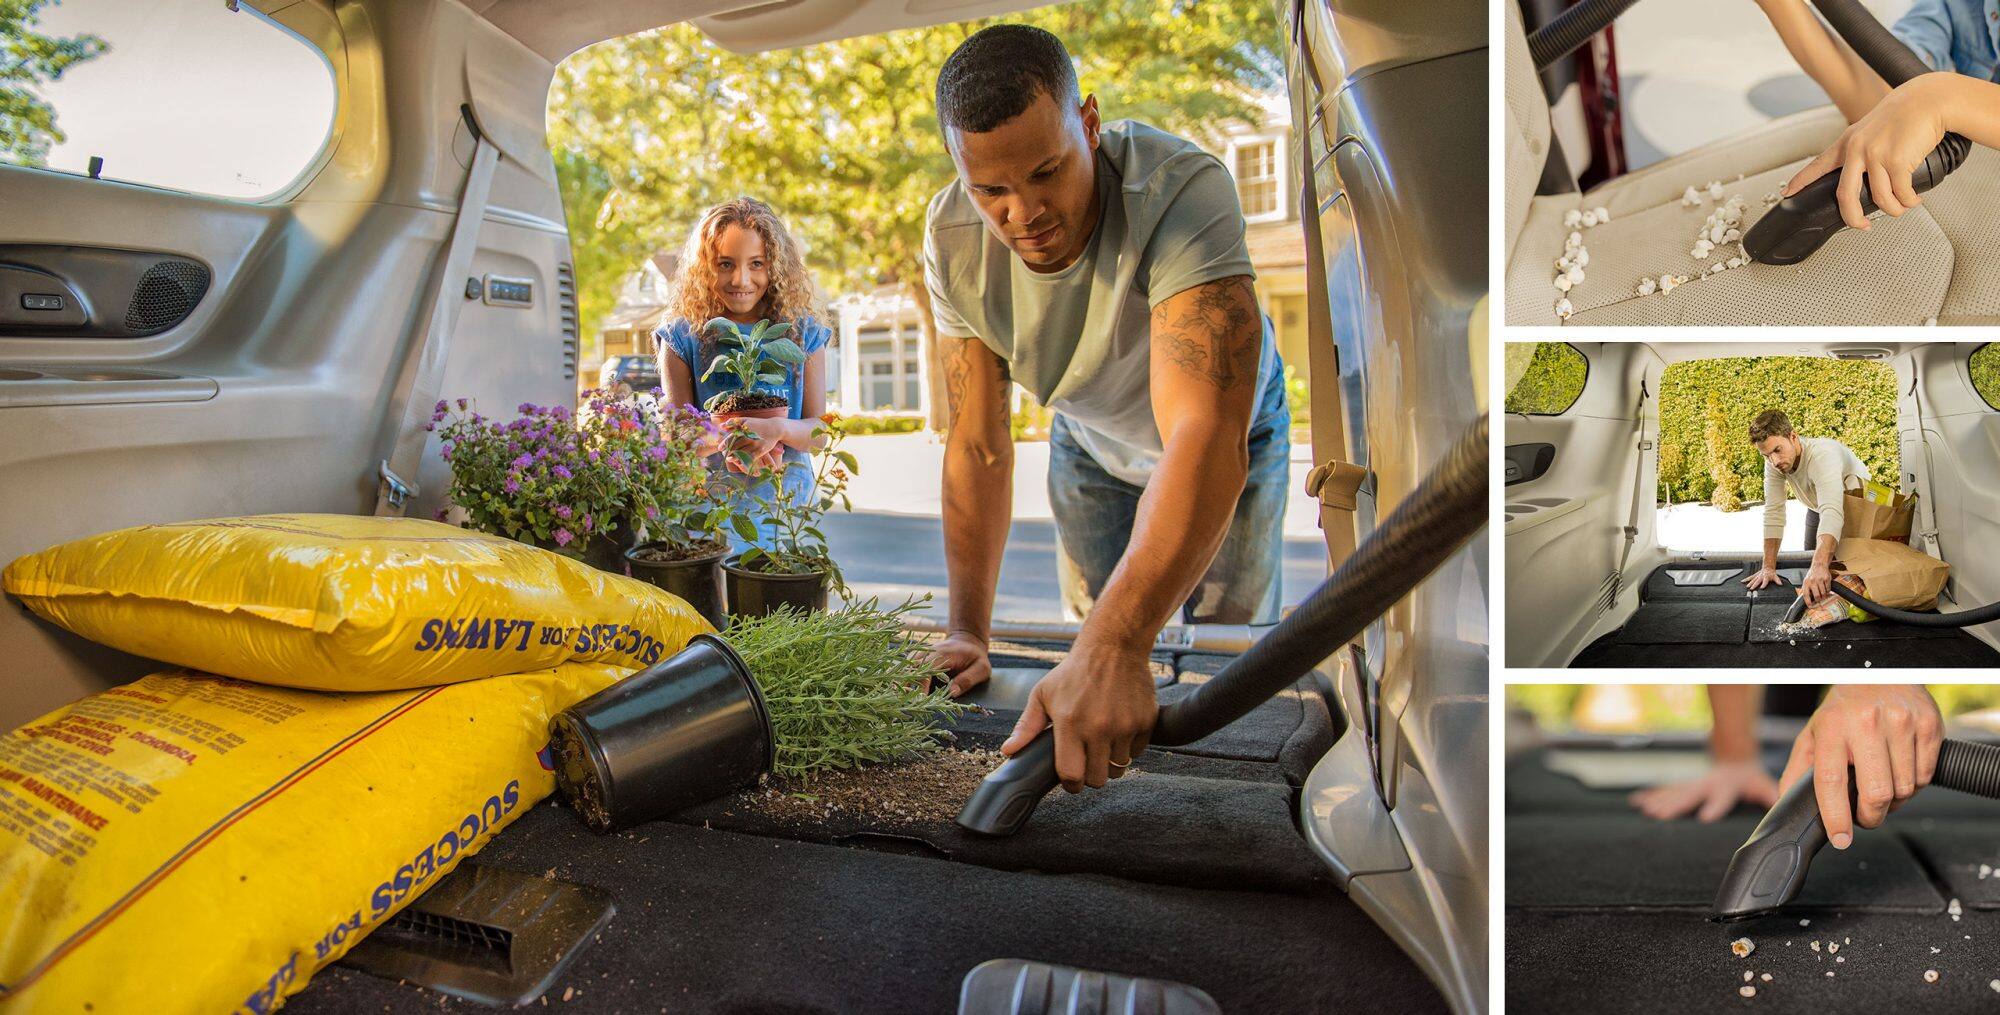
(394, 490)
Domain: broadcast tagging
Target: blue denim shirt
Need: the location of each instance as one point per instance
(1954, 35)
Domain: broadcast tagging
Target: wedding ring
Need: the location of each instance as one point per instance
(1121, 764)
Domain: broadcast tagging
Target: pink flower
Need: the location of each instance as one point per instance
(563, 538)
(563, 511)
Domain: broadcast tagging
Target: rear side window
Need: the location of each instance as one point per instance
(183, 94)
(1544, 378)
(1985, 365)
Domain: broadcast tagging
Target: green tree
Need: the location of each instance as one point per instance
(28, 59)
(842, 137)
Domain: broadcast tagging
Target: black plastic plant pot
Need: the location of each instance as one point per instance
(757, 594)
(683, 732)
(697, 580)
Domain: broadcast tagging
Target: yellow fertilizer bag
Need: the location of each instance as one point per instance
(191, 843)
(347, 603)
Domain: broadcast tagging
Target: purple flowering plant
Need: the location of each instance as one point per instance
(560, 479)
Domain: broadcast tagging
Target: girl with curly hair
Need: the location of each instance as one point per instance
(743, 266)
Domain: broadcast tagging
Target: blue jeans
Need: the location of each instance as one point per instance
(1094, 513)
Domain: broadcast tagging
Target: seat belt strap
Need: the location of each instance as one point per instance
(397, 477)
(1641, 445)
(1926, 519)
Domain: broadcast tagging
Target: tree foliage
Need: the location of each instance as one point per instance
(842, 138)
(1544, 378)
(27, 59)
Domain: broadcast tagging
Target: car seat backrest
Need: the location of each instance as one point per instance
(1526, 129)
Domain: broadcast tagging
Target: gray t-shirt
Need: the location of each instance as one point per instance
(1080, 339)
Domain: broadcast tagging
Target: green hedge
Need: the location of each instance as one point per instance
(1986, 373)
(1706, 407)
(1544, 378)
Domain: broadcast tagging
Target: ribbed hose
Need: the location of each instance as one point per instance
(1437, 518)
(1897, 63)
(1874, 44)
(1964, 618)
(1572, 28)
(1968, 767)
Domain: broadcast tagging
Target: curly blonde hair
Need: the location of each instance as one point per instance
(694, 299)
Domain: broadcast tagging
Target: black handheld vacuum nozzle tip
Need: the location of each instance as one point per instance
(1008, 794)
(1768, 870)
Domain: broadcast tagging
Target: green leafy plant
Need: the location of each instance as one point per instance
(798, 546)
(764, 356)
(844, 687)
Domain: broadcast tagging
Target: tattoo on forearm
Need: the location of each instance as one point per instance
(958, 366)
(1219, 337)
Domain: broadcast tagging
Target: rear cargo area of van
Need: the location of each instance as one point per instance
(1192, 869)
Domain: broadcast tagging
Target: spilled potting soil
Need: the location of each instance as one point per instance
(927, 790)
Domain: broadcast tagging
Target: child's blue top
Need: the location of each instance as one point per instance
(1962, 36)
(680, 336)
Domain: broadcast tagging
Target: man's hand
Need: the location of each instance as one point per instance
(1887, 144)
(1818, 584)
(1890, 734)
(1102, 705)
(1764, 578)
(963, 659)
(1711, 796)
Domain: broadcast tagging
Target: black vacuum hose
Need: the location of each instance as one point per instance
(1964, 618)
(1572, 28)
(1797, 226)
(1968, 767)
(1437, 518)
(1430, 524)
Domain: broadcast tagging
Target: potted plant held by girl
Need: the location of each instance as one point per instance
(684, 508)
(761, 357)
(789, 563)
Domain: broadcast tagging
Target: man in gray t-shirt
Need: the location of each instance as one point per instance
(1103, 267)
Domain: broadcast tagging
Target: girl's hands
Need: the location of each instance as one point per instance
(763, 438)
(1887, 145)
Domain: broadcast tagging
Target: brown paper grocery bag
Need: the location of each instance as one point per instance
(1896, 574)
(1867, 519)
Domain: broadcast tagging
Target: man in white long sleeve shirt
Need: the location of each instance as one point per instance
(1819, 471)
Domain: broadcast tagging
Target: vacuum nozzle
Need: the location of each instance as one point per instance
(1768, 870)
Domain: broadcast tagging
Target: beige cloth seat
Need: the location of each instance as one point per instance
(1940, 261)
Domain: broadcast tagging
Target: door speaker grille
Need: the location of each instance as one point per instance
(566, 307)
(166, 294)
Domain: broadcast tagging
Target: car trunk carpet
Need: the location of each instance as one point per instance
(1169, 829)
(1567, 950)
(1726, 626)
(1679, 962)
(1190, 869)
(1686, 623)
(1630, 861)
(717, 921)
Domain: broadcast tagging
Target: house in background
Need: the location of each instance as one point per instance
(628, 329)
(877, 363)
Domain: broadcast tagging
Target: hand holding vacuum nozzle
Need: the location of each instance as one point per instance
(1437, 518)
(1768, 870)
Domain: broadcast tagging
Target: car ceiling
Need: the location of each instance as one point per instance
(1676, 352)
(557, 28)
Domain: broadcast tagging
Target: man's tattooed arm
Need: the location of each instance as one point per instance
(972, 373)
(1212, 331)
